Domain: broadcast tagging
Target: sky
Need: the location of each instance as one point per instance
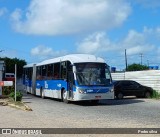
(35, 30)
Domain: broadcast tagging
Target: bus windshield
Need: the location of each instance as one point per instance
(92, 74)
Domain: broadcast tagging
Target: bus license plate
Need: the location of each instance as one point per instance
(97, 97)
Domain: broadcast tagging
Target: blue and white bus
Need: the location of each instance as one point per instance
(74, 77)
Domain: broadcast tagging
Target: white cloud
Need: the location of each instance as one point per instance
(43, 52)
(141, 42)
(145, 42)
(135, 50)
(92, 43)
(58, 17)
(3, 11)
(16, 15)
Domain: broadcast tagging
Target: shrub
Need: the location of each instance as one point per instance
(18, 95)
(7, 90)
(155, 94)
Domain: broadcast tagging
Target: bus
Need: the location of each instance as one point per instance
(74, 77)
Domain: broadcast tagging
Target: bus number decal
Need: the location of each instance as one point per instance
(46, 85)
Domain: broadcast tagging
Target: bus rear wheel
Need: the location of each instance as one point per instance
(64, 96)
(42, 93)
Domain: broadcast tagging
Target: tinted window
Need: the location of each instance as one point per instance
(134, 83)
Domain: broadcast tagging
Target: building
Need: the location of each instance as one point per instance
(2, 64)
(153, 67)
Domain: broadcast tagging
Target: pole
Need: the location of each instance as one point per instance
(15, 82)
(141, 55)
(126, 59)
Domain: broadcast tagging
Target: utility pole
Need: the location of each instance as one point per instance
(15, 92)
(141, 55)
(126, 59)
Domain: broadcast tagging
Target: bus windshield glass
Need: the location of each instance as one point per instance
(93, 74)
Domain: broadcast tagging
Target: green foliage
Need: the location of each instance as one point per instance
(18, 95)
(155, 95)
(136, 67)
(7, 90)
(10, 65)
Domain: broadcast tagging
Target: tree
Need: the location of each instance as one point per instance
(137, 67)
(10, 65)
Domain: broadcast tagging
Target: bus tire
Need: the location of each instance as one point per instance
(64, 96)
(42, 93)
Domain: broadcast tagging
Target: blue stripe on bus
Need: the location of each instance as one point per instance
(28, 83)
(58, 84)
(96, 90)
(51, 84)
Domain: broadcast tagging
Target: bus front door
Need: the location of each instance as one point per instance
(70, 85)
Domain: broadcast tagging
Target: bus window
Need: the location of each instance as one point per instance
(44, 71)
(30, 73)
(50, 71)
(64, 70)
(92, 74)
(69, 66)
(38, 73)
(56, 73)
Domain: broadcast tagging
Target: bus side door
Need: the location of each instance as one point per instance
(70, 81)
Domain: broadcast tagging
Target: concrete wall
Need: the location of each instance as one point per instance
(149, 78)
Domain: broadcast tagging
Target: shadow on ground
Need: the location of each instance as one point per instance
(125, 101)
(109, 102)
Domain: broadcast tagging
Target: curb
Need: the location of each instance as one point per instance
(25, 107)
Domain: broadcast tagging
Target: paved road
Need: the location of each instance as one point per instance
(51, 113)
(129, 112)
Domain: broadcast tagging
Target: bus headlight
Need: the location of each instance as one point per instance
(82, 91)
(112, 90)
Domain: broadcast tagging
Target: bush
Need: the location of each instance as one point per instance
(7, 90)
(18, 96)
(155, 94)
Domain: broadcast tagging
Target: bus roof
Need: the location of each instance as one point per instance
(73, 58)
(29, 65)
